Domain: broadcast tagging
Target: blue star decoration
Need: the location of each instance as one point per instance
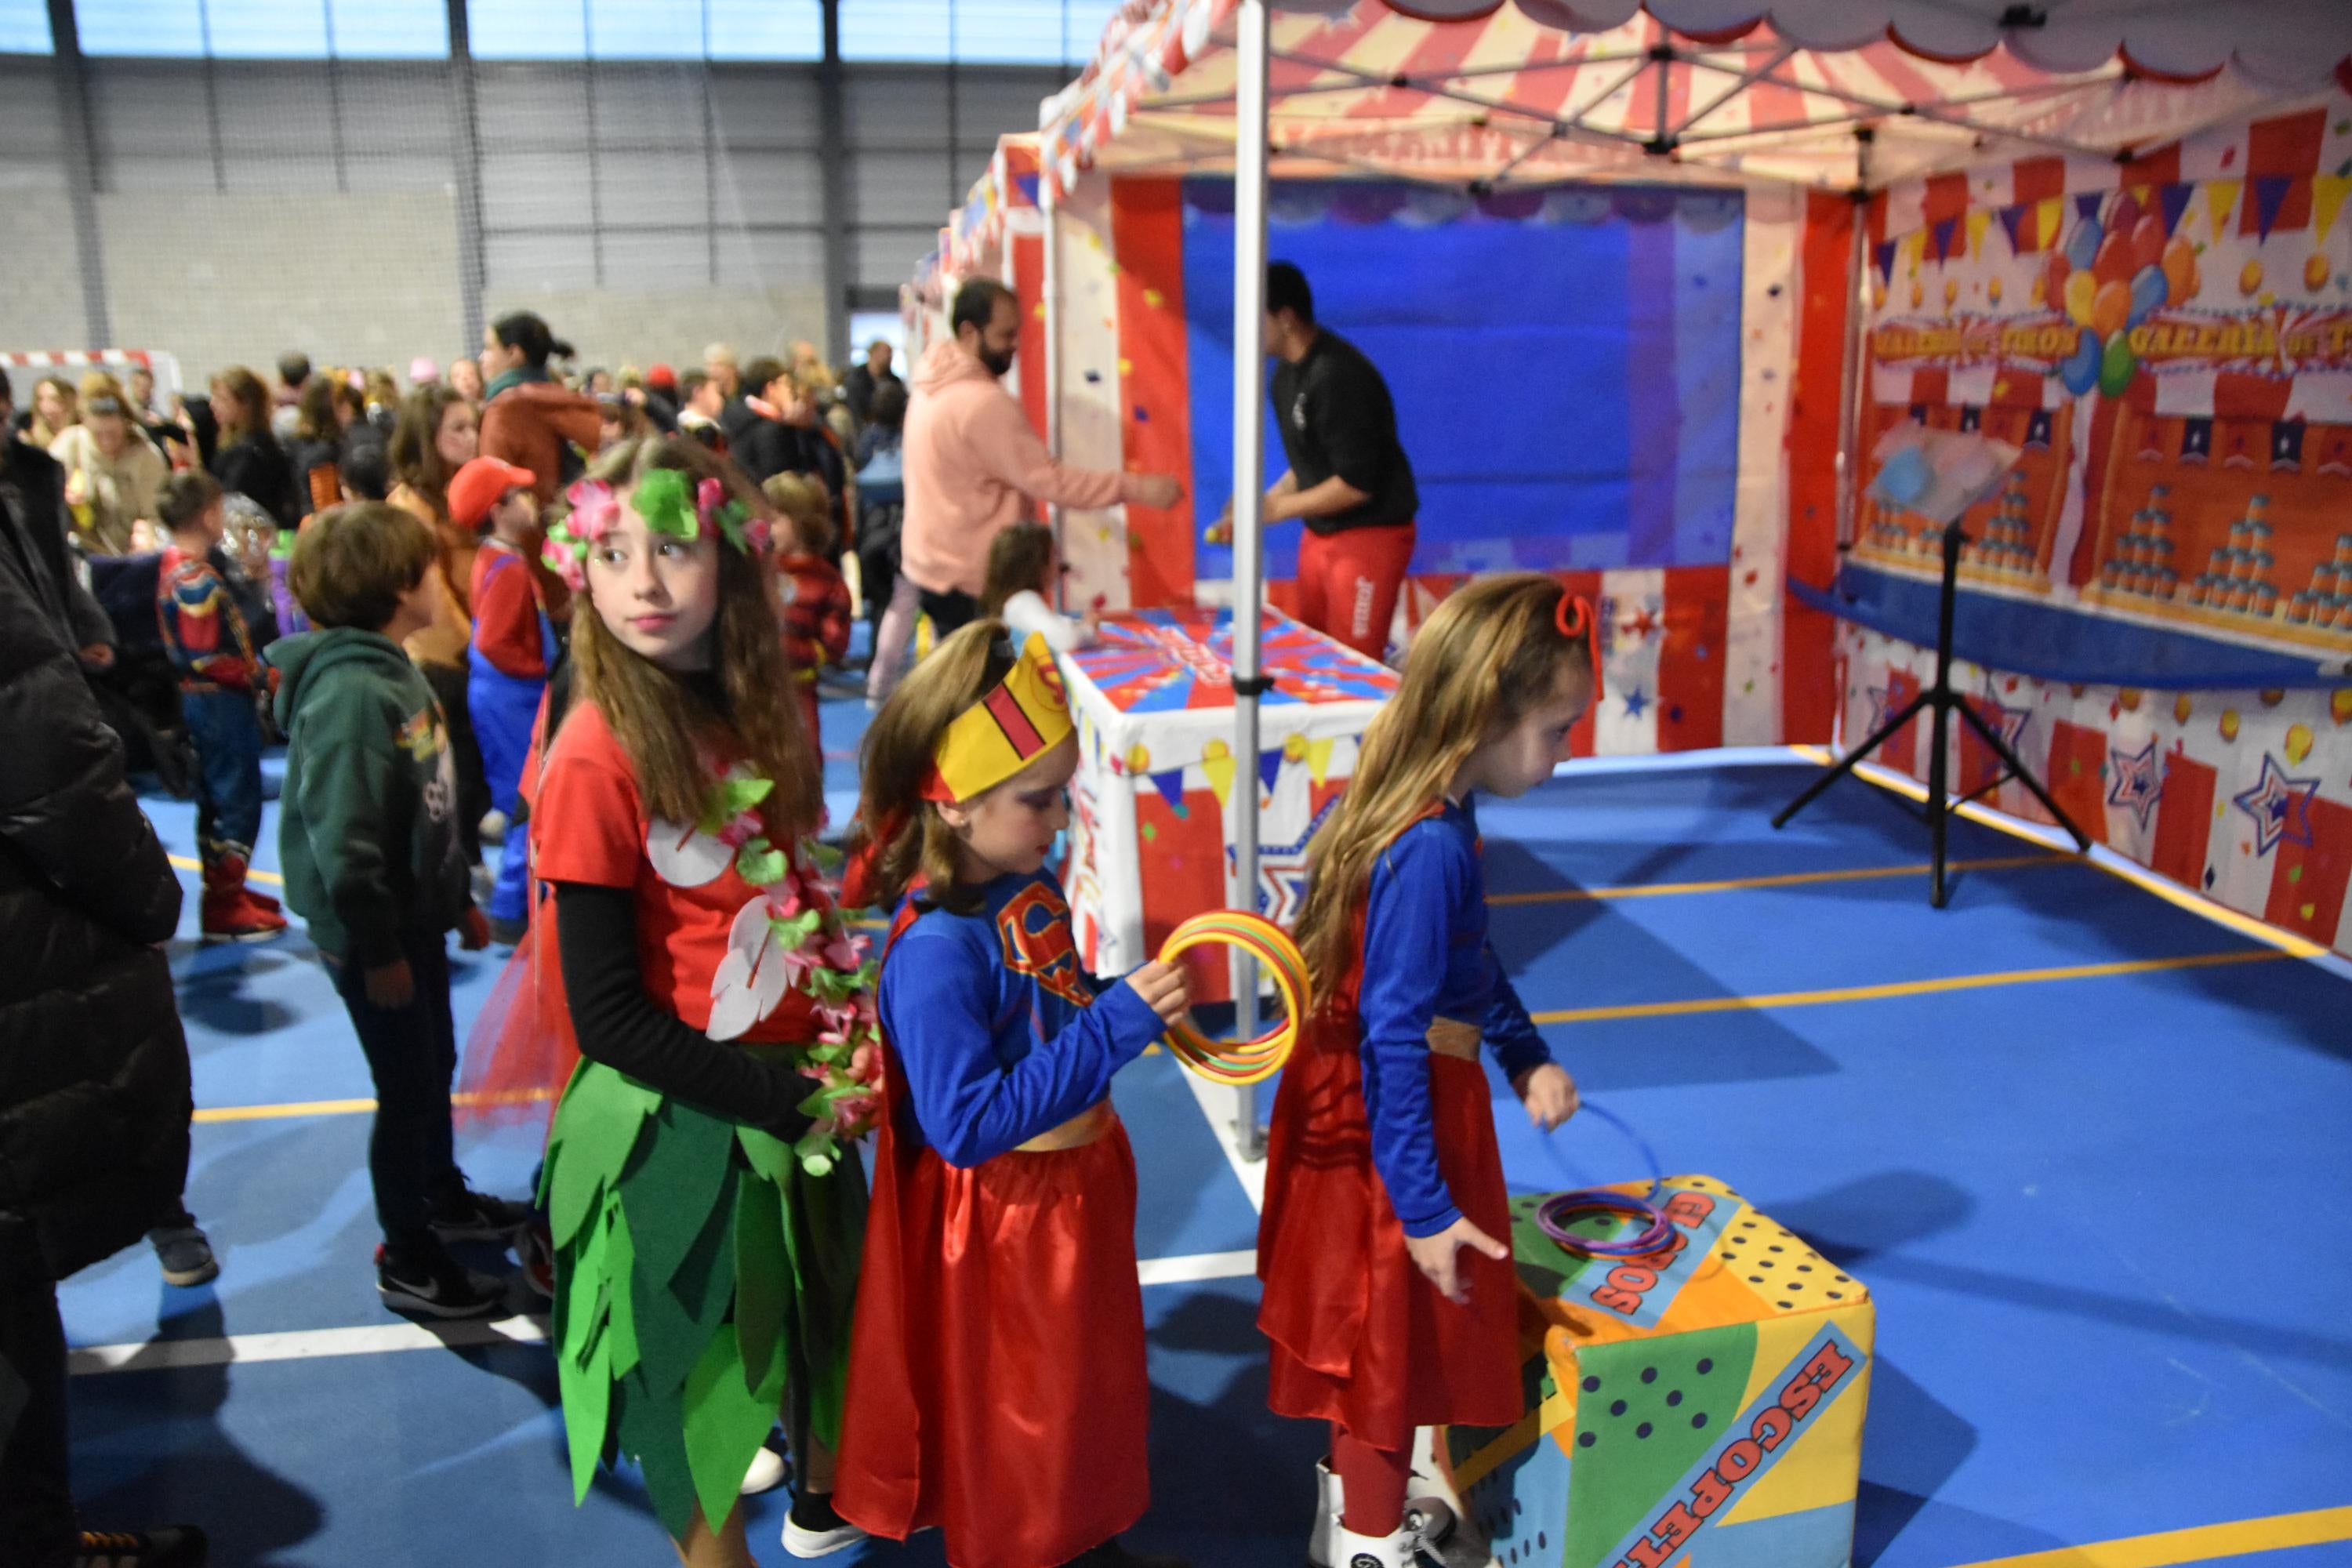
(2280, 805)
(1636, 703)
(2138, 781)
(1282, 871)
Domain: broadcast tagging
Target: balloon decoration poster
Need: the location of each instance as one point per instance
(2170, 342)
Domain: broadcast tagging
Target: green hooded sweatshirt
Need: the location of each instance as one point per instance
(367, 831)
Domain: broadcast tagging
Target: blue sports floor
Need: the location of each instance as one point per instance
(2107, 1216)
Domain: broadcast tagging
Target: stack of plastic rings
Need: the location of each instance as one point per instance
(1246, 1061)
(1553, 1217)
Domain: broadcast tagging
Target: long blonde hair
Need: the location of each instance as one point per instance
(672, 737)
(1491, 653)
(899, 835)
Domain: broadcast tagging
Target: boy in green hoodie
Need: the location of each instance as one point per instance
(368, 838)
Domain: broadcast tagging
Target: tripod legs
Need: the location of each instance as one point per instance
(1852, 760)
(2024, 775)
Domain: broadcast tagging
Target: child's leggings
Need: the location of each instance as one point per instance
(1372, 1484)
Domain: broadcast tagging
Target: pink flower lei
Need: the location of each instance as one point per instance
(826, 960)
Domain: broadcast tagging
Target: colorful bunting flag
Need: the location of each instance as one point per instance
(1318, 759)
(2270, 195)
(1220, 770)
(2327, 191)
(2009, 221)
(1978, 221)
(2173, 200)
(1170, 786)
(1269, 767)
(2047, 217)
(2221, 201)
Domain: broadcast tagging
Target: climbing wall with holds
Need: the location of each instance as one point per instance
(1699, 1405)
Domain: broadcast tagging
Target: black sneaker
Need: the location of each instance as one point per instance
(437, 1287)
(469, 1216)
(176, 1546)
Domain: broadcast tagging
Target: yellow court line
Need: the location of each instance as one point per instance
(2201, 1544)
(273, 1112)
(1785, 879)
(181, 862)
(1904, 988)
(2146, 881)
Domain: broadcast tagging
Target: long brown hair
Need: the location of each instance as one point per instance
(898, 834)
(1492, 652)
(675, 742)
(252, 400)
(1018, 557)
(415, 446)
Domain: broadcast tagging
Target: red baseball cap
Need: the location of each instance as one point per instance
(481, 485)
(662, 378)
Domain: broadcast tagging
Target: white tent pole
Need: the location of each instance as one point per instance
(1250, 132)
(1851, 391)
(1050, 293)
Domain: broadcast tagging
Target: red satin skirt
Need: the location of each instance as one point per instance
(1359, 1335)
(997, 1388)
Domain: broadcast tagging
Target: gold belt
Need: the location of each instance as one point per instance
(1075, 1133)
(1452, 1038)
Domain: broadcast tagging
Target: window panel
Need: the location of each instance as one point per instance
(766, 30)
(267, 29)
(896, 29)
(166, 28)
(388, 29)
(527, 30)
(24, 27)
(645, 29)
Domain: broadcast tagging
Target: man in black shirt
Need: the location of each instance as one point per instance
(1349, 481)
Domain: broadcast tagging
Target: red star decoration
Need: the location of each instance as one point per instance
(1642, 627)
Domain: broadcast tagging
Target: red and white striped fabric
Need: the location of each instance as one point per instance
(73, 361)
(1537, 90)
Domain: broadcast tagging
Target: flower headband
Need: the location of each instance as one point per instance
(661, 500)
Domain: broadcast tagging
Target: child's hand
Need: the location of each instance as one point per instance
(1161, 986)
(1549, 1095)
(391, 985)
(1434, 1256)
(473, 928)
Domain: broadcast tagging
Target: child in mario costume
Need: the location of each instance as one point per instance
(996, 1381)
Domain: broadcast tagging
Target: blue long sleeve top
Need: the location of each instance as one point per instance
(1426, 956)
(1000, 1031)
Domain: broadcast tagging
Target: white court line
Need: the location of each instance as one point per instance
(378, 1339)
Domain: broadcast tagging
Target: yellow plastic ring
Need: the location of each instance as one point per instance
(1247, 1061)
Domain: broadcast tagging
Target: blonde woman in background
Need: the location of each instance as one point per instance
(112, 472)
(55, 410)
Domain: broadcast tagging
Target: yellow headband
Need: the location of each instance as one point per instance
(1025, 716)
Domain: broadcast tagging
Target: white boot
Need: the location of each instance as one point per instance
(1349, 1549)
(1328, 1505)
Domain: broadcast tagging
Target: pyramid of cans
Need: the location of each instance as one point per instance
(2327, 603)
(2006, 549)
(2237, 578)
(2141, 564)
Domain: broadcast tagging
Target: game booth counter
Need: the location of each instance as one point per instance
(1703, 330)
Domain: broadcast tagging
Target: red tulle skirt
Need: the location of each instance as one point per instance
(521, 1051)
(1359, 1335)
(996, 1373)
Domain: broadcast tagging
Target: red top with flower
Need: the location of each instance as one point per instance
(704, 934)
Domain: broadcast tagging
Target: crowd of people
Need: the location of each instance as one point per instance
(556, 614)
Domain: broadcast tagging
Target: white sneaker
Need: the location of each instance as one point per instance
(493, 826)
(1329, 1502)
(812, 1540)
(1349, 1549)
(766, 1473)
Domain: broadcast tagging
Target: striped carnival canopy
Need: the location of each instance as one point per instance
(1839, 94)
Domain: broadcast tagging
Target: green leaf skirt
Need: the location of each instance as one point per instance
(703, 1288)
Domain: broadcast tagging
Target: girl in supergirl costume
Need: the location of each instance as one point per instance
(1389, 1290)
(996, 1379)
(705, 1229)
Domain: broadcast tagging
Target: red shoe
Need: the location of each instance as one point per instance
(228, 912)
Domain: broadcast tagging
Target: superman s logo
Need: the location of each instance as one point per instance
(1036, 928)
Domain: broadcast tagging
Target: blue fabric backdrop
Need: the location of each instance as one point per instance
(1565, 364)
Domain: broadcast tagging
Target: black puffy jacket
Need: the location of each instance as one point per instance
(94, 1098)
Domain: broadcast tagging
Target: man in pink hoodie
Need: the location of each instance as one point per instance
(970, 458)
